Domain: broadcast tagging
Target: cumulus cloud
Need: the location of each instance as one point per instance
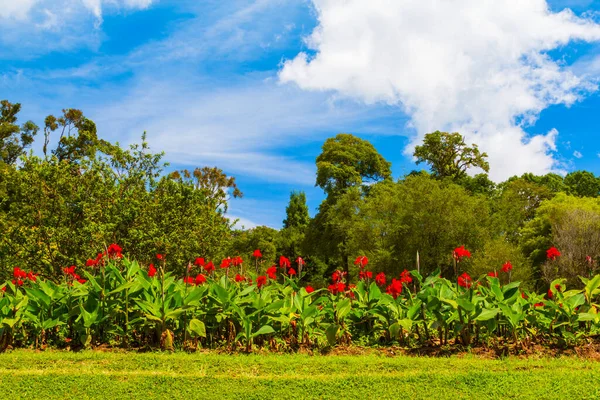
(478, 67)
(16, 9)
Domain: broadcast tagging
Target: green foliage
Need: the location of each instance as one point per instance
(495, 253)
(572, 224)
(348, 161)
(14, 139)
(582, 184)
(449, 156)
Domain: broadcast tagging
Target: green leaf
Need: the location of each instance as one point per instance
(264, 330)
(197, 328)
(331, 334)
(487, 314)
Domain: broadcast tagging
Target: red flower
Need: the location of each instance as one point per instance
(91, 263)
(552, 253)
(114, 251)
(151, 271)
(261, 281)
(461, 252)
(309, 289)
(226, 263)
(69, 270)
(361, 261)
(4, 288)
(507, 267)
(200, 279)
(395, 289)
(589, 260)
(539, 304)
(465, 280)
(160, 256)
(300, 261)
(31, 276)
(17, 282)
(380, 279)
(405, 277)
(237, 261)
(82, 281)
(337, 287)
(523, 295)
(550, 294)
(291, 271)
(337, 276)
(189, 280)
(493, 274)
(210, 267)
(199, 262)
(284, 262)
(257, 254)
(19, 273)
(239, 278)
(272, 272)
(362, 275)
(558, 288)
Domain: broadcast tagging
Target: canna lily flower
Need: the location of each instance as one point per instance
(210, 267)
(226, 263)
(189, 280)
(257, 254)
(395, 289)
(237, 261)
(151, 271)
(284, 262)
(405, 277)
(460, 252)
(4, 288)
(308, 288)
(69, 270)
(507, 267)
(261, 281)
(363, 275)
(361, 261)
(199, 262)
(380, 279)
(465, 280)
(272, 272)
(200, 279)
(114, 251)
(239, 278)
(291, 271)
(19, 273)
(337, 276)
(493, 274)
(160, 256)
(552, 253)
(300, 261)
(31, 276)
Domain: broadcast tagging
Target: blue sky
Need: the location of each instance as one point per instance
(255, 87)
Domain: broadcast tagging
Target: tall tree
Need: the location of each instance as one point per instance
(449, 156)
(582, 184)
(296, 211)
(346, 168)
(348, 161)
(14, 139)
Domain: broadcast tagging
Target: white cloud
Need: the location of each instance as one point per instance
(17, 9)
(473, 66)
(577, 154)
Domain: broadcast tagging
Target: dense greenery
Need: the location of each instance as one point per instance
(116, 302)
(55, 375)
(62, 206)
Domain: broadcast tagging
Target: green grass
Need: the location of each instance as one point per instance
(59, 375)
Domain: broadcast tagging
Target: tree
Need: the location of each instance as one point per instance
(296, 211)
(448, 155)
(582, 184)
(346, 168)
(14, 139)
(571, 224)
(347, 161)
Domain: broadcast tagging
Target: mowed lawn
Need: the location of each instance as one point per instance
(61, 375)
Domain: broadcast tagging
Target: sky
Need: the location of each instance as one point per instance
(256, 87)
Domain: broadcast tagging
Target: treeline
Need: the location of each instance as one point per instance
(417, 221)
(69, 204)
(80, 193)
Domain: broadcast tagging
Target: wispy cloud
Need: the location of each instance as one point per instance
(577, 154)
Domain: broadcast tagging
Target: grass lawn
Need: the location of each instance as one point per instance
(60, 375)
